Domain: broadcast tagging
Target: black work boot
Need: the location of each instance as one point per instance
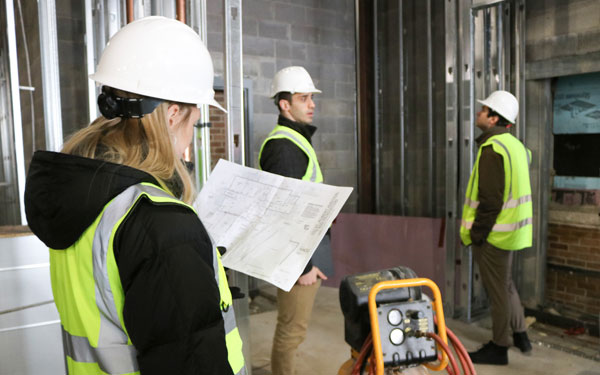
(490, 354)
(521, 341)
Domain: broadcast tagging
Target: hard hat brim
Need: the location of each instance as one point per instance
(214, 104)
(315, 91)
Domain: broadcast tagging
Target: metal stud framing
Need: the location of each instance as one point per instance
(16, 105)
(452, 75)
(201, 135)
(484, 30)
(234, 94)
(377, 130)
(234, 80)
(50, 74)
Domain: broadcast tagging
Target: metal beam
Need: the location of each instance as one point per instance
(452, 78)
(402, 89)
(431, 152)
(520, 67)
(202, 162)
(479, 4)
(16, 105)
(376, 113)
(50, 74)
(234, 94)
(90, 60)
(532, 265)
(501, 48)
(234, 81)
(358, 133)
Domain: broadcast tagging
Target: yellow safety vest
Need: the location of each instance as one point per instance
(313, 170)
(89, 296)
(513, 227)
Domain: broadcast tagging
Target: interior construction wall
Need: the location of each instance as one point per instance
(366, 243)
(30, 333)
(563, 38)
(410, 122)
(318, 35)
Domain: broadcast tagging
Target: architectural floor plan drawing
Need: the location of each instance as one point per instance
(269, 224)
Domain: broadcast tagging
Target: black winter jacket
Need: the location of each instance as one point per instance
(281, 156)
(163, 253)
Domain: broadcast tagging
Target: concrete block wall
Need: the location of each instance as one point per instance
(559, 28)
(319, 35)
(573, 276)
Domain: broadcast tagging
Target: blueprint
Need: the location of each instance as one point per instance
(269, 224)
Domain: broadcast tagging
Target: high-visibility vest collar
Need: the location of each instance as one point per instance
(313, 170)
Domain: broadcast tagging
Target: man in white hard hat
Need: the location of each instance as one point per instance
(497, 220)
(288, 151)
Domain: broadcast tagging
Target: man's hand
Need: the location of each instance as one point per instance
(311, 276)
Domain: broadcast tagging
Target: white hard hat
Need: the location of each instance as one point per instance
(292, 79)
(161, 58)
(504, 103)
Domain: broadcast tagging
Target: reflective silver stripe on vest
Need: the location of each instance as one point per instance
(509, 163)
(226, 311)
(502, 227)
(512, 226)
(471, 203)
(313, 176)
(510, 203)
(116, 359)
(513, 203)
(113, 354)
(112, 339)
(466, 224)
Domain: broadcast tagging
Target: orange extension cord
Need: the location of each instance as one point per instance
(460, 350)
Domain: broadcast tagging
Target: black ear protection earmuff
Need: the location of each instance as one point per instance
(107, 104)
(112, 106)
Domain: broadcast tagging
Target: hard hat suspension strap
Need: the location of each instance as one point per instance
(112, 106)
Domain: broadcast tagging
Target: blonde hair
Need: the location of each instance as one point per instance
(143, 144)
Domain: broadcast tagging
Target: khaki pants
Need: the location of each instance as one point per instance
(507, 312)
(294, 308)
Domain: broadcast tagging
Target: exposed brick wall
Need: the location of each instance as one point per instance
(218, 131)
(573, 276)
(574, 292)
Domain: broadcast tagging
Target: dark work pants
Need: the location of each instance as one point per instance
(507, 312)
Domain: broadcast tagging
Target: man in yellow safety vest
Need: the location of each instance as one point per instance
(497, 219)
(288, 151)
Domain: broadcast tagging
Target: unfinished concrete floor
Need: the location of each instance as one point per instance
(324, 349)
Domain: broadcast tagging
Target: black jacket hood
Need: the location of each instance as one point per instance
(64, 194)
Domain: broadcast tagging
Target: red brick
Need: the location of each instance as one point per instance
(569, 239)
(575, 263)
(593, 266)
(556, 260)
(555, 245)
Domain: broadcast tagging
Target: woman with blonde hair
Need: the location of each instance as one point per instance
(138, 285)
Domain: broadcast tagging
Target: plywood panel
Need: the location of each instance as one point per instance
(364, 243)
